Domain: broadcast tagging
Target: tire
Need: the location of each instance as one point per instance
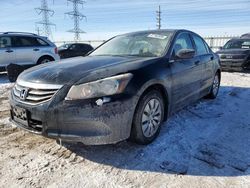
(45, 59)
(215, 87)
(13, 71)
(148, 118)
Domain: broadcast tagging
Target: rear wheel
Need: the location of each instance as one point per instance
(45, 59)
(148, 118)
(215, 87)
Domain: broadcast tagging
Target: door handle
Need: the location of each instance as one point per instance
(36, 49)
(212, 58)
(196, 62)
(9, 51)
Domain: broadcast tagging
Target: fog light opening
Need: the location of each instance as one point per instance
(103, 100)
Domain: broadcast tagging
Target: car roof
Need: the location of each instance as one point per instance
(245, 36)
(158, 31)
(240, 38)
(21, 34)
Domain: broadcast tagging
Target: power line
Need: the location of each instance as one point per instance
(158, 18)
(77, 17)
(46, 14)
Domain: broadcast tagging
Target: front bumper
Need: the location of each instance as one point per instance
(234, 65)
(80, 121)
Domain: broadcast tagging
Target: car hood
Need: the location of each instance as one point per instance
(234, 51)
(82, 69)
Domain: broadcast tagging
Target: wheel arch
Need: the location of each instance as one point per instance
(45, 56)
(164, 92)
(219, 73)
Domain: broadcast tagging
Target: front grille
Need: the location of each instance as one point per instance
(33, 95)
(235, 56)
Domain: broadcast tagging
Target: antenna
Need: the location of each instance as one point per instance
(46, 14)
(158, 18)
(77, 17)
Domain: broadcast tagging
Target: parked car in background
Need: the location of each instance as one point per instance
(124, 89)
(235, 54)
(74, 50)
(26, 49)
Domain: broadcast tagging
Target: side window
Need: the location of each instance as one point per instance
(207, 47)
(5, 42)
(42, 42)
(27, 42)
(79, 47)
(85, 47)
(182, 42)
(200, 46)
(72, 47)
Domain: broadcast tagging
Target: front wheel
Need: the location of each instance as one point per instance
(148, 118)
(215, 87)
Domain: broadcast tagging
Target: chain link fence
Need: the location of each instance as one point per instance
(216, 42)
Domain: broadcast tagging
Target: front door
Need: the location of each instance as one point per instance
(186, 74)
(7, 53)
(27, 50)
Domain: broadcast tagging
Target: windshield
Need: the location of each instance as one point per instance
(141, 44)
(65, 46)
(239, 44)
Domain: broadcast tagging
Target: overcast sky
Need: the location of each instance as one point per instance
(106, 18)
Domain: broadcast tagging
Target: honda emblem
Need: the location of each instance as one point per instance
(23, 94)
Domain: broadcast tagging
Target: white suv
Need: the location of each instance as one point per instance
(25, 49)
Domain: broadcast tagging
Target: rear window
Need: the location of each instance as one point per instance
(42, 42)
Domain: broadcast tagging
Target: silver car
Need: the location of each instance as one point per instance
(25, 49)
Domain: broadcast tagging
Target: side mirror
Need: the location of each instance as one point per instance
(220, 48)
(185, 53)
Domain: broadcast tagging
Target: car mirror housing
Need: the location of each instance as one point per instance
(185, 54)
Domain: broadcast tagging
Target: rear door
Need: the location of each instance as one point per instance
(27, 49)
(206, 61)
(186, 74)
(7, 53)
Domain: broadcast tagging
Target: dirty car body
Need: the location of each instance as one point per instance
(93, 99)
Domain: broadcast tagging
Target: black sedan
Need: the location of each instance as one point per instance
(74, 50)
(126, 88)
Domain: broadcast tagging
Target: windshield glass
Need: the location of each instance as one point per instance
(139, 44)
(65, 46)
(239, 44)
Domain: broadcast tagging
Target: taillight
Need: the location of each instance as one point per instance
(56, 50)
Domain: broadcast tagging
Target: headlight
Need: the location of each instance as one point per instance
(100, 88)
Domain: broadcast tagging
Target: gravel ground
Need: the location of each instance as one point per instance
(204, 145)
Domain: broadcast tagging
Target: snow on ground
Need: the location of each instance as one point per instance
(203, 145)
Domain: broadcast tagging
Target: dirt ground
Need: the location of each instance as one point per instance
(204, 145)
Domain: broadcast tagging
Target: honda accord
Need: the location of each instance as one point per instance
(126, 88)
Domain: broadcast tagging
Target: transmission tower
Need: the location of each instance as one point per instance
(46, 14)
(158, 18)
(77, 17)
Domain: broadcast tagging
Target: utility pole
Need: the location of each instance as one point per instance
(46, 14)
(77, 17)
(158, 18)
